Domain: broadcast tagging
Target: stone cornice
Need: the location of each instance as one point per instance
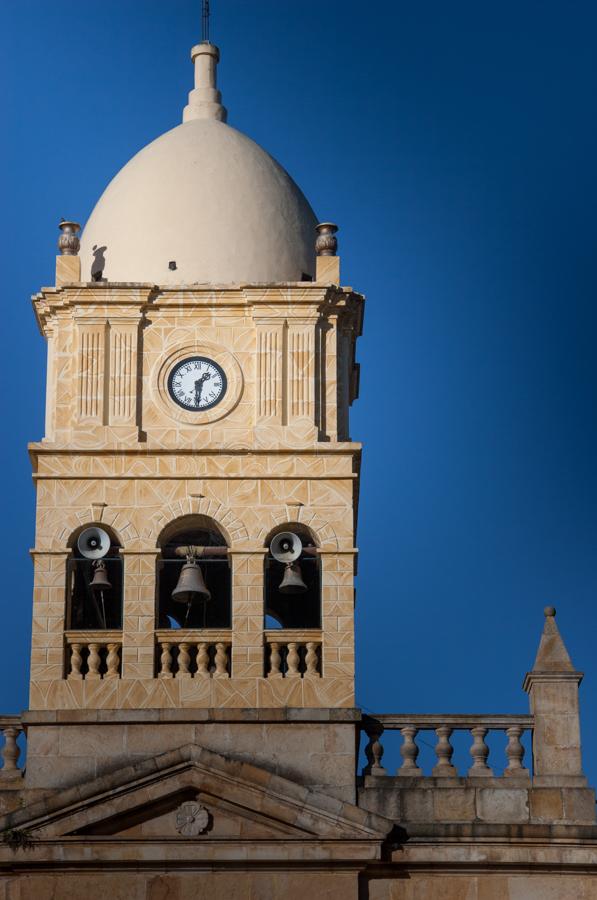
(136, 299)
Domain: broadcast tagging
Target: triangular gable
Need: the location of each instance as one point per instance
(240, 799)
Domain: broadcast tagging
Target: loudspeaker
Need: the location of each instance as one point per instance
(286, 547)
(93, 543)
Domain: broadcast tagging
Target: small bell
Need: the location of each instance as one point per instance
(191, 586)
(100, 581)
(292, 583)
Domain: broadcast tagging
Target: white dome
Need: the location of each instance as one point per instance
(209, 199)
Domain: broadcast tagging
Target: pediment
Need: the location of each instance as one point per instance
(194, 793)
(191, 813)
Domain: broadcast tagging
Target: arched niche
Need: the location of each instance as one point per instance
(193, 531)
(298, 611)
(88, 609)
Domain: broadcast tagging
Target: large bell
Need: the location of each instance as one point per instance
(292, 583)
(100, 581)
(191, 586)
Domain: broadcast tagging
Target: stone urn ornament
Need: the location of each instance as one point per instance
(192, 819)
(326, 242)
(68, 242)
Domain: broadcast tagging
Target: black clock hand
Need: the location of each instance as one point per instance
(199, 387)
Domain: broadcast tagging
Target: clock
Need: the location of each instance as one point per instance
(197, 383)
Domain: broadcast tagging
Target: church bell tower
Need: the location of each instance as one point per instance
(192, 730)
(196, 485)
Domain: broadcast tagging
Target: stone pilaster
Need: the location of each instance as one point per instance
(552, 686)
(247, 614)
(138, 620)
(48, 624)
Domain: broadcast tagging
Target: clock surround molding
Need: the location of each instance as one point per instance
(160, 393)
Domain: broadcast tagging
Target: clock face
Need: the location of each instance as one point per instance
(197, 383)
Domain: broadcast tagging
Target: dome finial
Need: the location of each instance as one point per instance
(205, 22)
(204, 99)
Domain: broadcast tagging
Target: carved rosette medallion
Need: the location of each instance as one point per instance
(191, 819)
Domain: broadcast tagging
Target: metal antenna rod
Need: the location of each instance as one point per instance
(205, 22)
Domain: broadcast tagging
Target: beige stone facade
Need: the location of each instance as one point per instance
(119, 453)
(170, 757)
(235, 780)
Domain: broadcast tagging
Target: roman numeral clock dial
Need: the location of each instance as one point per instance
(197, 383)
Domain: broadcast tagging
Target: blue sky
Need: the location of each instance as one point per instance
(455, 145)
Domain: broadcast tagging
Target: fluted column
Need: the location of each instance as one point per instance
(269, 372)
(91, 340)
(122, 385)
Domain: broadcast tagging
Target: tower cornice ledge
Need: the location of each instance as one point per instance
(137, 298)
(345, 448)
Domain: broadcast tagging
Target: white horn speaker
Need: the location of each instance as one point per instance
(286, 547)
(93, 543)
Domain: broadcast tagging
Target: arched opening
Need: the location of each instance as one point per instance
(94, 592)
(197, 537)
(293, 610)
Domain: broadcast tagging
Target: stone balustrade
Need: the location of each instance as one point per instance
(292, 654)
(411, 726)
(93, 655)
(193, 653)
(11, 728)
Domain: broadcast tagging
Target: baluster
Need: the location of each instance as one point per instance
(166, 660)
(409, 752)
(10, 751)
(292, 661)
(444, 751)
(374, 749)
(76, 661)
(515, 752)
(311, 660)
(275, 660)
(221, 661)
(113, 661)
(93, 663)
(184, 660)
(479, 752)
(202, 660)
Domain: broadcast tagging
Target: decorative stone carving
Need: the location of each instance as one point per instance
(515, 752)
(374, 749)
(311, 660)
(113, 661)
(409, 752)
(76, 661)
(292, 661)
(221, 660)
(326, 242)
(11, 749)
(275, 660)
(68, 242)
(184, 660)
(166, 660)
(202, 659)
(479, 752)
(192, 818)
(444, 752)
(93, 663)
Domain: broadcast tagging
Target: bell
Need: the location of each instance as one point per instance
(292, 583)
(100, 581)
(191, 586)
